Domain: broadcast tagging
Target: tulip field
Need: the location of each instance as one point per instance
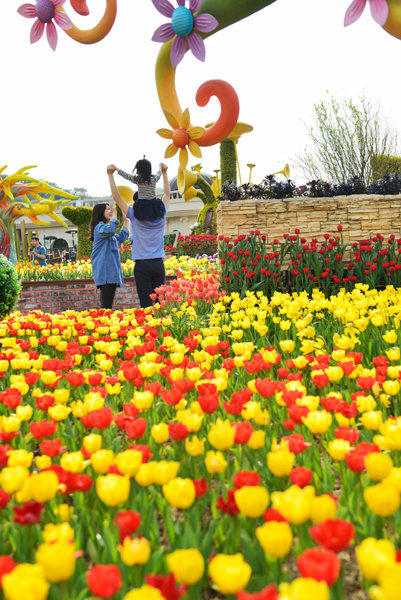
(210, 447)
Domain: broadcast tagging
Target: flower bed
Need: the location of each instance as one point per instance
(227, 447)
(82, 269)
(249, 263)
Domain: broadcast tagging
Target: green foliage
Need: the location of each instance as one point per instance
(228, 161)
(80, 216)
(344, 138)
(210, 203)
(384, 164)
(10, 287)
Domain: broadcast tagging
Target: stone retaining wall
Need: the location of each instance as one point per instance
(76, 294)
(360, 216)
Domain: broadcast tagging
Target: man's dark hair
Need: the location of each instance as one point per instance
(35, 237)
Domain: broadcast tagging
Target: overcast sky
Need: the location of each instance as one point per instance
(73, 111)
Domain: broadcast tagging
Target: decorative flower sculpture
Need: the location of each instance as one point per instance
(45, 12)
(378, 8)
(183, 25)
(80, 7)
(181, 136)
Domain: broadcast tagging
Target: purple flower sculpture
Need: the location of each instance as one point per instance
(45, 12)
(378, 8)
(182, 26)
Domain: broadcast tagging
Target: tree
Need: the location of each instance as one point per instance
(347, 137)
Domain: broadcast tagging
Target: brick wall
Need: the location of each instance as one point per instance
(360, 216)
(76, 294)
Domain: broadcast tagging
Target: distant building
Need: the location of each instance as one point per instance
(55, 238)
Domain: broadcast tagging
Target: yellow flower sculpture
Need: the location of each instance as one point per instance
(182, 135)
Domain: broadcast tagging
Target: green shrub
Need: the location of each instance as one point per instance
(384, 164)
(10, 287)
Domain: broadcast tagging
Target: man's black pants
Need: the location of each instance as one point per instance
(149, 274)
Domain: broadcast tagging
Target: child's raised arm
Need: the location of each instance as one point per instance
(166, 185)
(114, 191)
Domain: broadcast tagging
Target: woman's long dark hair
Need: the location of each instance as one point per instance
(143, 169)
(97, 217)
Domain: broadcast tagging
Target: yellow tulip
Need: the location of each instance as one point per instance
(12, 479)
(391, 387)
(24, 413)
(43, 486)
(160, 433)
(373, 555)
(129, 461)
(251, 500)
(390, 581)
(57, 560)
(372, 420)
(164, 471)
(194, 446)
(179, 492)
(145, 475)
(338, 449)
(305, 588)
(187, 566)
(257, 439)
(229, 573)
(275, 537)
(383, 499)
(215, 462)
(145, 592)
(318, 421)
(221, 435)
(393, 354)
(113, 489)
(54, 532)
(390, 336)
(21, 458)
(295, 504)
(135, 551)
(378, 465)
(73, 462)
(92, 442)
(25, 582)
(102, 460)
(280, 462)
(323, 508)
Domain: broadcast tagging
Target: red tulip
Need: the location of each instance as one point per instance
(268, 593)
(127, 522)
(167, 586)
(104, 581)
(246, 478)
(43, 429)
(7, 564)
(333, 534)
(301, 476)
(28, 514)
(320, 564)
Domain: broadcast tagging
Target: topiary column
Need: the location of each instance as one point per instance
(228, 161)
(80, 217)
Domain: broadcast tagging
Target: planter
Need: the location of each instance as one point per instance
(360, 216)
(75, 294)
